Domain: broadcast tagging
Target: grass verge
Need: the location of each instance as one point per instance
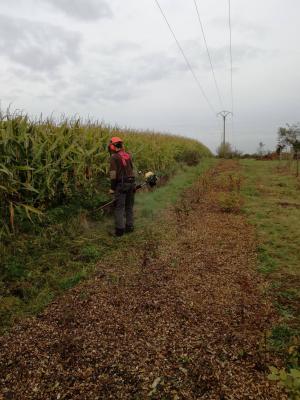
(273, 206)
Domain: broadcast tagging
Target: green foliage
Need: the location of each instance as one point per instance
(189, 157)
(290, 380)
(289, 136)
(72, 281)
(289, 377)
(46, 164)
(13, 269)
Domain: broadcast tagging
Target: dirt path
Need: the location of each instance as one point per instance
(187, 323)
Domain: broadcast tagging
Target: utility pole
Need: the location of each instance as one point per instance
(224, 115)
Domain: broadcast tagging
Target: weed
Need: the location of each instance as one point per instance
(235, 182)
(230, 202)
(184, 359)
(113, 279)
(281, 336)
(90, 253)
(83, 295)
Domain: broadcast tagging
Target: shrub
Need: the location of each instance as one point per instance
(90, 253)
(189, 157)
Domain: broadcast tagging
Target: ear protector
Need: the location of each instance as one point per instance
(115, 144)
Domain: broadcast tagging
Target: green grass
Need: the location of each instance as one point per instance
(272, 194)
(51, 258)
(149, 204)
(281, 336)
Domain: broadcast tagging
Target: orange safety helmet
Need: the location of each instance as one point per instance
(115, 144)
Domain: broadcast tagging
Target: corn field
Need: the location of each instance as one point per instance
(45, 163)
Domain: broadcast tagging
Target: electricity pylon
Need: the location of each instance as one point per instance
(224, 114)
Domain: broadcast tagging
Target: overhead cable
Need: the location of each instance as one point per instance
(186, 59)
(208, 54)
(230, 50)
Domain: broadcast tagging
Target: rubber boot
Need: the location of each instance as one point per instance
(119, 232)
(129, 229)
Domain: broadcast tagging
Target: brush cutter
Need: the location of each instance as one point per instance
(150, 180)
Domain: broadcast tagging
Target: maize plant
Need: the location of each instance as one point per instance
(45, 163)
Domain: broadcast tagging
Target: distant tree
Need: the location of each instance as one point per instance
(237, 154)
(279, 149)
(290, 136)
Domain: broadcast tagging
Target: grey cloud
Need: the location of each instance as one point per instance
(39, 47)
(220, 55)
(240, 53)
(103, 87)
(241, 26)
(157, 66)
(83, 9)
(119, 84)
(120, 47)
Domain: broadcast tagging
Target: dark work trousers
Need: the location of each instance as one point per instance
(124, 196)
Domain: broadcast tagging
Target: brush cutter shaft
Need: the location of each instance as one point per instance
(140, 186)
(113, 201)
(151, 181)
(106, 204)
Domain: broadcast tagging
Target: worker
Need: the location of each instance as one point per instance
(122, 186)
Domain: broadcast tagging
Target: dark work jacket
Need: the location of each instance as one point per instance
(119, 172)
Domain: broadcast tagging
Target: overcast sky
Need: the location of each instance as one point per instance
(115, 60)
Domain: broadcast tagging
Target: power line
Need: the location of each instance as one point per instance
(230, 49)
(185, 58)
(208, 54)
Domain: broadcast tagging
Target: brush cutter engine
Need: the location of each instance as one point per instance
(150, 180)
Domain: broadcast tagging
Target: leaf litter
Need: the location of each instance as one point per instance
(185, 320)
